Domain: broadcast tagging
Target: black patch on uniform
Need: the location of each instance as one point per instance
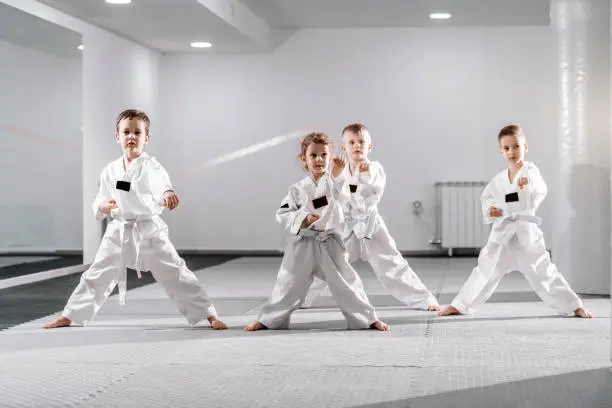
(285, 205)
(123, 185)
(512, 197)
(320, 202)
(353, 188)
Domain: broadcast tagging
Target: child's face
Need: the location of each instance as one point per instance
(357, 145)
(317, 158)
(132, 136)
(513, 148)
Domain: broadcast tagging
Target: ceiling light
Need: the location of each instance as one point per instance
(80, 47)
(439, 16)
(118, 1)
(201, 44)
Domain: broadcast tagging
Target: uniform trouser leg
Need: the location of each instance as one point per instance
(320, 287)
(177, 280)
(344, 284)
(395, 273)
(543, 276)
(179, 283)
(317, 289)
(494, 262)
(96, 283)
(292, 282)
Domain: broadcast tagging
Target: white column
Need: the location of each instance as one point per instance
(117, 74)
(582, 220)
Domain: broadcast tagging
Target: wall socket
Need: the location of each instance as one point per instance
(417, 207)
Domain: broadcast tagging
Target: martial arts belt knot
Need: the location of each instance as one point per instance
(515, 219)
(534, 219)
(131, 237)
(321, 236)
(361, 223)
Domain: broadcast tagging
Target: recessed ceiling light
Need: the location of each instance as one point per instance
(439, 16)
(201, 44)
(118, 1)
(80, 47)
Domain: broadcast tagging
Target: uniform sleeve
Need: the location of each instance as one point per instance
(291, 214)
(159, 180)
(487, 199)
(371, 187)
(339, 188)
(104, 194)
(536, 188)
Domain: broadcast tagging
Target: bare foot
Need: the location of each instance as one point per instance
(255, 326)
(432, 308)
(306, 305)
(585, 314)
(59, 322)
(216, 323)
(380, 326)
(448, 311)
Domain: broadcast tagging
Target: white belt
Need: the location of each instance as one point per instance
(524, 217)
(362, 224)
(321, 236)
(515, 218)
(131, 237)
(357, 224)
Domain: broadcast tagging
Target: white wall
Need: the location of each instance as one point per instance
(433, 99)
(117, 74)
(436, 97)
(40, 150)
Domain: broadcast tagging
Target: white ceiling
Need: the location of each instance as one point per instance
(24, 29)
(239, 26)
(398, 13)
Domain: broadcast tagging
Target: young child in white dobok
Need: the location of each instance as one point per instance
(134, 190)
(312, 213)
(366, 236)
(516, 242)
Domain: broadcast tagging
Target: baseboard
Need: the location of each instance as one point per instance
(435, 253)
(231, 252)
(40, 252)
(277, 253)
(432, 253)
(441, 253)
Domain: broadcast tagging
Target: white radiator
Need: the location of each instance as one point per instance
(459, 221)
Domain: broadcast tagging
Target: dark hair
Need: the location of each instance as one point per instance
(134, 114)
(510, 130)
